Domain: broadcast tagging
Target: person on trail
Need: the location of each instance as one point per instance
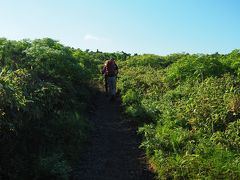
(110, 71)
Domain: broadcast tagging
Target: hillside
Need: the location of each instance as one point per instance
(55, 123)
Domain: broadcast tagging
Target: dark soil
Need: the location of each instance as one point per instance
(113, 151)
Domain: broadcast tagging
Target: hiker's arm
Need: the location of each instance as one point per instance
(116, 69)
(103, 69)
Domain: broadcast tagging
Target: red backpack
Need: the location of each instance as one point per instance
(110, 68)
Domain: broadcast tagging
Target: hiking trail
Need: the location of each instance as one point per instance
(113, 151)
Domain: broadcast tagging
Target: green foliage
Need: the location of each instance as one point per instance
(193, 103)
(44, 94)
(232, 60)
(197, 67)
(153, 61)
(54, 167)
(190, 105)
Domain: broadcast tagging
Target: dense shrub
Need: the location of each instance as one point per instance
(44, 92)
(194, 107)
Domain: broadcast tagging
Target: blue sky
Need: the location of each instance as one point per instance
(134, 26)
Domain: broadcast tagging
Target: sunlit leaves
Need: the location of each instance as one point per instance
(194, 104)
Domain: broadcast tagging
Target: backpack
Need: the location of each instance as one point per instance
(110, 68)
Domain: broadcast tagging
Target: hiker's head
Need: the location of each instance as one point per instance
(112, 59)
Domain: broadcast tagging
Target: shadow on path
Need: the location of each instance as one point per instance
(112, 153)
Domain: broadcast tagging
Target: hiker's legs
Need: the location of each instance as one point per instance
(112, 85)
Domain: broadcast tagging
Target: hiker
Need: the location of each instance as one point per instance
(110, 71)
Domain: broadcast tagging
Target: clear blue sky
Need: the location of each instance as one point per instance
(134, 26)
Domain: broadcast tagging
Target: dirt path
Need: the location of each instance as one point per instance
(113, 152)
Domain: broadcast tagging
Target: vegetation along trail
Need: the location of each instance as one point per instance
(113, 152)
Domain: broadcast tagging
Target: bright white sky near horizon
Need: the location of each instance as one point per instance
(133, 26)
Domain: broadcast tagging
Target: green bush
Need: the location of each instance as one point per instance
(194, 107)
(44, 95)
(54, 167)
